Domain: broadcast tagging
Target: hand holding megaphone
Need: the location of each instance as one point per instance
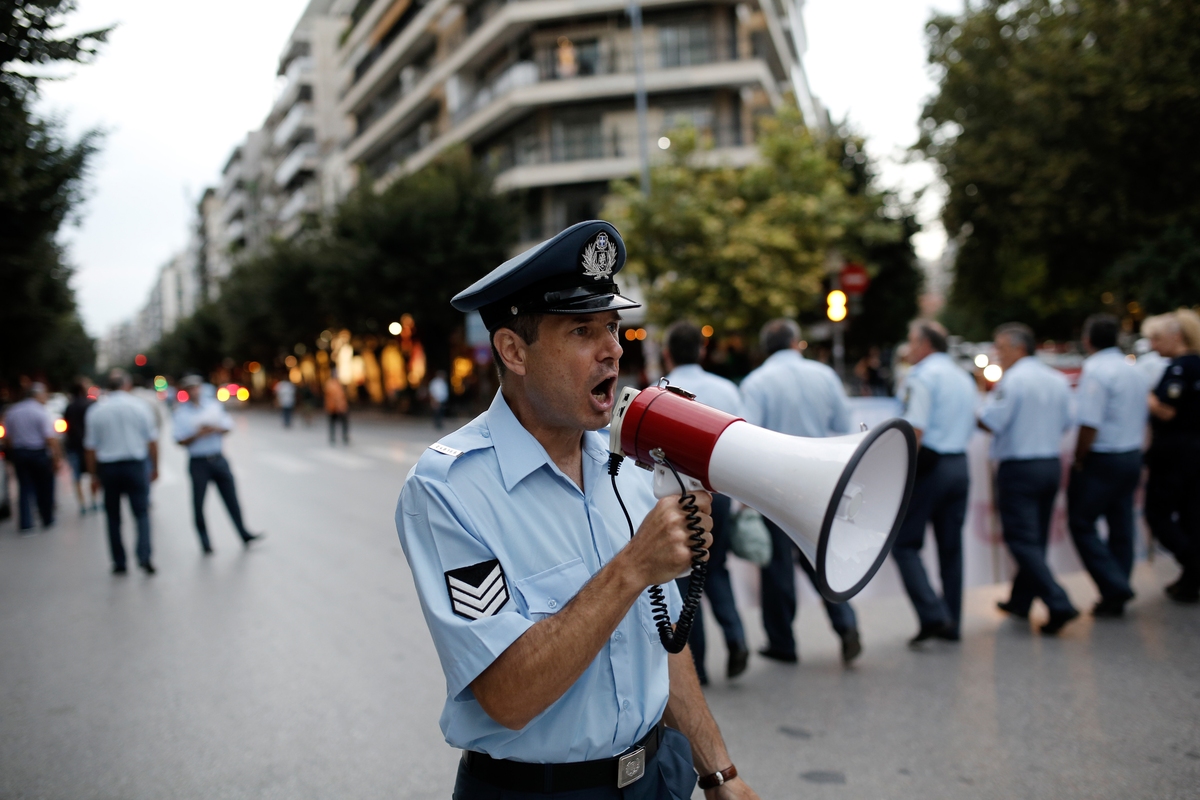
(662, 549)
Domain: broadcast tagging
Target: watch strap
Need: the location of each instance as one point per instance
(718, 778)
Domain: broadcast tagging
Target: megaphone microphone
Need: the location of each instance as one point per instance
(841, 499)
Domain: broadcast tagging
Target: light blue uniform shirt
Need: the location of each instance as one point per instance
(493, 494)
(711, 390)
(1028, 412)
(28, 425)
(191, 417)
(939, 400)
(1112, 399)
(119, 427)
(794, 395)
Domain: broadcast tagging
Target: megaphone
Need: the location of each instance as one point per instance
(841, 499)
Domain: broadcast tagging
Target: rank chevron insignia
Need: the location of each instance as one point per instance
(477, 591)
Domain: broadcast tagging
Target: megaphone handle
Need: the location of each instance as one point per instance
(667, 483)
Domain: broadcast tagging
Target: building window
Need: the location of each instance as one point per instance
(577, 138)
(685, 44)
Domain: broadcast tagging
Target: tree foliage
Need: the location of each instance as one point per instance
(736, 247)
(41, 176)
(1066, 135)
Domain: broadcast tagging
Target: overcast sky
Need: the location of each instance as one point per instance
(179, 84)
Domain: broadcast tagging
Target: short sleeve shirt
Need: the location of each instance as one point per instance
(1112, 399)
(29, 425)
(119, 428)
(797, 396)
(191, 417)
(939, 401)
(1028, 412)
(1180, 389)
(498, 538)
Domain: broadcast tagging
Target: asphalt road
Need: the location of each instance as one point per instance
(302, 668)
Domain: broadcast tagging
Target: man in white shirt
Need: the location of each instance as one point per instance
(285, 395)
(33, 448)
(681, 357)
(121, 436)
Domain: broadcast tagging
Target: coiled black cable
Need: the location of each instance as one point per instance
(674, 639)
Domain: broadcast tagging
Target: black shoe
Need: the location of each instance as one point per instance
(931, 631)
(739, 657)
(121, 570)
(147, 567)
(1057, 622)
(1110, 607)
(252, 537)
(1184, 594)
(948, 634)
(779, 655)
(1008, 608)
(851, 646)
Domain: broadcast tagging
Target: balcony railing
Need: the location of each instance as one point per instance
(585, 142)
(297, 122)
(299, 73)
(300, 201)
(302, 158)
(233, 205)
(235, 232)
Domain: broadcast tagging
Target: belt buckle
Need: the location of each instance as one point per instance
(631, 767)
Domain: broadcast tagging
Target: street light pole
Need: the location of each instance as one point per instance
(639, 69)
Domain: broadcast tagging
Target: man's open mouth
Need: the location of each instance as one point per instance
(603, 391)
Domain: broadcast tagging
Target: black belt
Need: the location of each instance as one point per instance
(519, 776)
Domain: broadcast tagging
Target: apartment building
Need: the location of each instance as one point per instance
(543, 90)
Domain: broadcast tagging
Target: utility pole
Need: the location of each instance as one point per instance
(639, 69)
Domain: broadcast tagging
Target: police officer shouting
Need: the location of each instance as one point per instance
(1108, 462)
(939, 401)
(1028, 412)
(532, 589)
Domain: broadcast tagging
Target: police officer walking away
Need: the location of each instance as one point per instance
(533, 590)
(681, 358)
(33, 448)
(200, 422)
(1112, 411)
(794, 395)
(121, 446)
(1028, 412)
(939, 402)
(1173, 486)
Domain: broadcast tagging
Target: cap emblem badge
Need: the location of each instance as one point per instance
(600, 257)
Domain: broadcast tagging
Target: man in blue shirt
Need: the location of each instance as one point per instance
(1108, 462)
(681, 358)
(535, 595)
(1028, 412)
(939, 402)
(793, 395)
(200, 422)
(33, 449)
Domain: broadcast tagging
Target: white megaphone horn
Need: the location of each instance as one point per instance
(840, 499)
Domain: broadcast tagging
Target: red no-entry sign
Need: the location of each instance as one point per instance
(855, 279)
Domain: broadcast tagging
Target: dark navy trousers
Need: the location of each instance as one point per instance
(717, 588)
(126, 478)
(939, 497)
(1025, 492)
(215, 469)
(1105, 487)
(1173, 503)
(35, 481)
(778, 594)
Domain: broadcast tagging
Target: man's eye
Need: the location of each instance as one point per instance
(581, 330)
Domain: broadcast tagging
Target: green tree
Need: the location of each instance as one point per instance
(735, 247)
(1066, 136)
(41, 176)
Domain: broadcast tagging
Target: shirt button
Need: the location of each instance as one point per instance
(487, 434)
(625, 705)
(618, 636)
(552, 603)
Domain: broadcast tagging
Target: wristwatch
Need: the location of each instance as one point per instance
(718, 778)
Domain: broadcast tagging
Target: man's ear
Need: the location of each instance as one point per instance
(513, 351)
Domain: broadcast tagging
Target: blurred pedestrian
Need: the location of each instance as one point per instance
(939, 402)
(200, 423)
(1173, 486)
(439, 393)
(285, 396)
(34, 449)
(1028, 412)
(1112, 411)
(681, 358)
(75, 417)
(800, 397)
(337, 407)
(121, 438)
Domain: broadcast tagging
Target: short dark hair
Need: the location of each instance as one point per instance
(525, 325)
(1102, 330)
(684, 341)
(932, 332)
(1018, 333)
(778, 334)
(117, 378)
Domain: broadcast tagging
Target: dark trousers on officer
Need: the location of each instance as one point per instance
(939, 497)
(778, 594)
(216, 469)
(719, 590)
(35, 479)
(1025, 492)
(1105, 486)
(126, 478)
(344, 419)
(1173, 505)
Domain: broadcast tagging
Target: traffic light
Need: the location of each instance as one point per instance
(837, 305)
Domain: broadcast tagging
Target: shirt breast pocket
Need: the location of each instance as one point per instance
(548, 591)
(645, 613)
